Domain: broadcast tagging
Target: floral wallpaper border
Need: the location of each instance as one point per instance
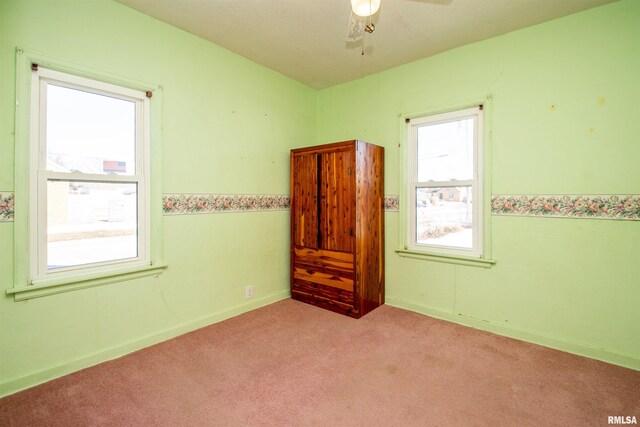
(186, 204)
(391, 203)
(616, 206)
(189, 204)
(7, 206)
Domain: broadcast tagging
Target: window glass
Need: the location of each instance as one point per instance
(89, 133)
(90, 222)
(444, 216)
(445, 151)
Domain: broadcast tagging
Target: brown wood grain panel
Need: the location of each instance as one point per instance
(342, 259)
(326, 262)
(322, 277)
(304, 200)
(340, 295)
(337, 200)
(326, 304)
(369, 227)
(331, 302)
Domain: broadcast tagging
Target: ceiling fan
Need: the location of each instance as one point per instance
(360, 21)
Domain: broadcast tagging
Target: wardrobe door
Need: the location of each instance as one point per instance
(337, 200)
(304, 200)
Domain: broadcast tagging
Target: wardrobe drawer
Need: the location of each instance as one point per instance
(323, 278)
(301, 289)
(328, 268)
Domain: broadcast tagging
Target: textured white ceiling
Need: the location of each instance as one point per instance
(305, 39)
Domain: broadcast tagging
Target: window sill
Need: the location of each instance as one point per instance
(451, 259)
(47, 287)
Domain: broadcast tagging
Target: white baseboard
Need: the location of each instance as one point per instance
(27, 381)
(574, 348)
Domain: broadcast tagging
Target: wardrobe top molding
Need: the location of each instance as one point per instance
(328, 147)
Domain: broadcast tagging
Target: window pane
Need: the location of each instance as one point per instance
(445, 151)
(90, 222)
(444, 216)
(89, 133)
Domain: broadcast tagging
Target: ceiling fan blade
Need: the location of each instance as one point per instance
(355, 30)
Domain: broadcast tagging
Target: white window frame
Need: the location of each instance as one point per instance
(39, 175)
(476, 183)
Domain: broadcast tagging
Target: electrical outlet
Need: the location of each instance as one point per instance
(248, 292)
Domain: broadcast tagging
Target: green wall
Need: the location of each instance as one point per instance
(228, 125)
(564, 121)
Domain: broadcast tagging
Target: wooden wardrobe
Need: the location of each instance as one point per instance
(337, 226)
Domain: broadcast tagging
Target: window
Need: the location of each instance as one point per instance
(89, 176)
(444, 186)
